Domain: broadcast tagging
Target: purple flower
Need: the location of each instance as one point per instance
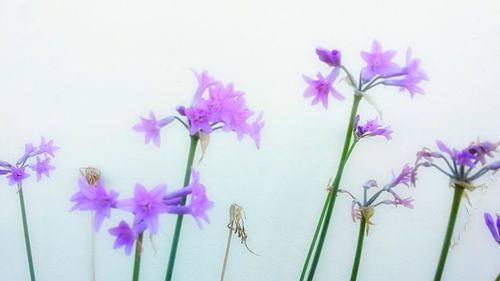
(199, 120)
(378, 62)
(151, 127)
(321, 87)
(146, 206)
(412, 76)
(404, 177)
(482, 149)
(254, 130)
(47, 147)
(494, 229)
(199, 203)
(17, 175)
(42, 167)
(125, 236)
(332, 58)
(94, 198)
(204, 82)
(370, 129)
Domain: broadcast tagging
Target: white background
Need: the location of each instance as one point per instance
(81, 72)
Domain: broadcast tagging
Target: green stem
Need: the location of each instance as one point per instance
(137, 259)
(178, 224)
(316, 232)
(359, 249)
(449, 231)
(26, 233)
(335, 185)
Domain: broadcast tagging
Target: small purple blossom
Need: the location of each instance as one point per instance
(494, 229)
(146, 206)
(151, 127)
(17, 175)
(199, 203)
(199, 120)
(378, 62)
(370, 129)
(332, 58)
(125, 236)
(412, 76)
(42, 167)
(404, 177)
(47, 147)
(94, 198)
(322, 87)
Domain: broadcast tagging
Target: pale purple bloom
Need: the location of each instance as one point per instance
(146, 206)
(42, 167)
(17, 175)
(494, 229)
(378, 62)
(199, 120)
(482, 149)
(254, 130)
(125, 236)
(322, 87)
(404, 177)
(94, 198)
(412, 76)
(47, 147)
(151, 127)
(370, 129)
(199, 203)
(204, 82)
(332, 58)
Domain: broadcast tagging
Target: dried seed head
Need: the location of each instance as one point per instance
(237, 225)
(92, 175)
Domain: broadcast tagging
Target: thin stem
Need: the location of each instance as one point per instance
(449, 231)
(226, 255)
(182, 122)
(315, 237)
(359, 249)
(349, 75)
(335, 186)
(26, 233)
(178, 224)
(137, 259)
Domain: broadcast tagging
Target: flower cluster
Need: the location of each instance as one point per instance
(494, 229)
(214, 106)
(380, 69)
(464, 166)
(364, 209)
(41, 155)
(146, 206)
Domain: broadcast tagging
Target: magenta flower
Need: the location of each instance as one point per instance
(94, 198)
(322, 87)
(465, 165)
(42, 167)
(17, 175)
(378, 63)
(199, 203)
(370, 129)
(199, 120)
(125, 236)
(332, 58)
(146, 206)
(494, 229)
(151, 127)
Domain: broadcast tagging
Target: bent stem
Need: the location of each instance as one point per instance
(137, 259)
(459, 190)
(226, 255)
(330, 201)
(359, 249)
(26, 233)
(178, 224)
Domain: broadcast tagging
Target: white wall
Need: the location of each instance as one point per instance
(81, 72)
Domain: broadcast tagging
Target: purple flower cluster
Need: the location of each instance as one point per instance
(371, 129)
(380, 69)
(42, 153)
(214, 106)
(406, 177)
(494, 229)
(146, 206)
(465, 165)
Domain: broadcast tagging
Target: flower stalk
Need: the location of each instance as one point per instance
(26, 233)
(178, 224)
(359, 249)
(137, 258)
(457, 196)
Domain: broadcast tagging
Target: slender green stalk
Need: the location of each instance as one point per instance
(359, 250)
(178, 224)
(137, 259)
(26, 233)
(335, 186)
(457, 196)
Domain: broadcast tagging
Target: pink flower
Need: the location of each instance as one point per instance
(322, 87)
